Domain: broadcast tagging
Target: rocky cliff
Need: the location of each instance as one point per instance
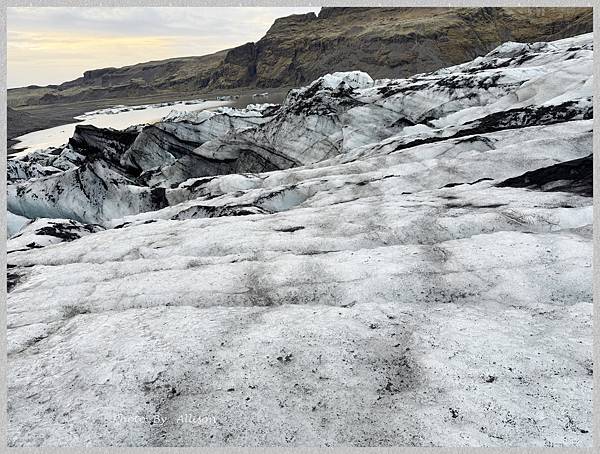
(398, 42)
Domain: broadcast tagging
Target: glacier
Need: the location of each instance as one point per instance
(370, 263)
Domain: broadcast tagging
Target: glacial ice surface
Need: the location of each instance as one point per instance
(372, 263)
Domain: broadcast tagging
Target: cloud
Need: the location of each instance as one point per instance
(54, 44)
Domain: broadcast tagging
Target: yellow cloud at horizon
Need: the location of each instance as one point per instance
(47, 45)
(76, 53)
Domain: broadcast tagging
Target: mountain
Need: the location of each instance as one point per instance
(385, 42)
(400, 262)
(393, 42)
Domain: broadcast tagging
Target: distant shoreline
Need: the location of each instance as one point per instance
(38, 117)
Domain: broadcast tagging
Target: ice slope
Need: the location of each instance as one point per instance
(337, 116)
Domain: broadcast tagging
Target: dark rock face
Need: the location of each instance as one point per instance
(90, 75)
(574, 176)
(239, 65)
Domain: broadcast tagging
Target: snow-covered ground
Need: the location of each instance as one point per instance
(372, 263)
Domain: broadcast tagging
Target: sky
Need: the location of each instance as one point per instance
(52, 45)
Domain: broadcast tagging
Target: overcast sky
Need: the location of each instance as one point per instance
(53, 45)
